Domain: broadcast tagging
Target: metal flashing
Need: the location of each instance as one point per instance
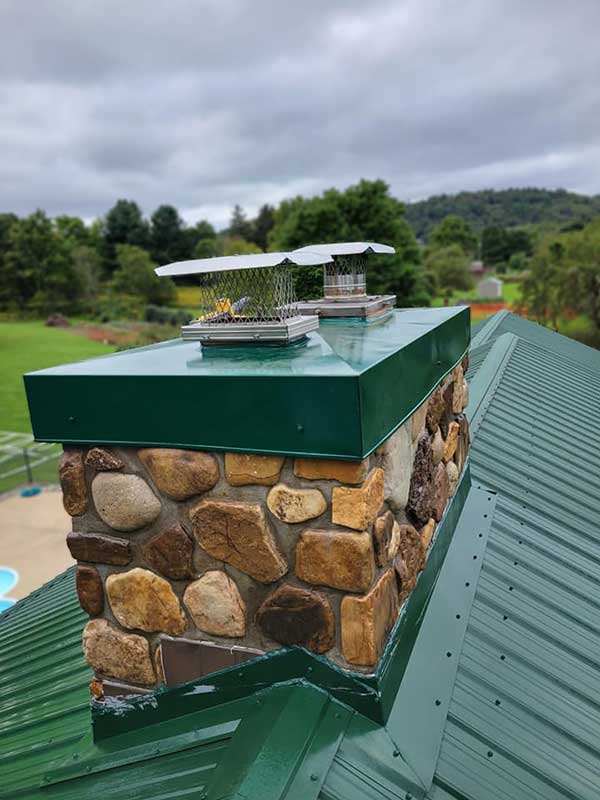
(337, 395)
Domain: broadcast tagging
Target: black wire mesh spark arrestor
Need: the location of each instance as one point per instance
(247, 298)
(344, 282)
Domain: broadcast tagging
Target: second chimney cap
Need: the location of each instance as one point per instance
(346, 248)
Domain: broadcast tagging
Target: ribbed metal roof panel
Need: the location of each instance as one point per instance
(44, 696)
(525, 718)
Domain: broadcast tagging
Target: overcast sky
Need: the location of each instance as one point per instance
(205, 103)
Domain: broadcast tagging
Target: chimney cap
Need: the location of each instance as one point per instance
(347, 248)
(252, 261)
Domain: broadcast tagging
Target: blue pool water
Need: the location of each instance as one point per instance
(8, 580)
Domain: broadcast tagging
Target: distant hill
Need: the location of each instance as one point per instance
(506, 207)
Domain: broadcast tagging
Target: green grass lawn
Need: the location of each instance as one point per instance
(27, 346)
(511, 294)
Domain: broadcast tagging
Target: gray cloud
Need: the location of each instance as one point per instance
(205, 104)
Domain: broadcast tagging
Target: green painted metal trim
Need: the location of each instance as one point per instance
(147, 742)
(488, 378)
(369, 694)
(283, 748)
(426, 689)
(349, 389)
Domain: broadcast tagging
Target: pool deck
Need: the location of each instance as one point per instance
(33, 538)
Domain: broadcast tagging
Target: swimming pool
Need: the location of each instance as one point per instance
(8, 580)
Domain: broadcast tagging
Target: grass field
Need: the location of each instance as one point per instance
(511, 294)
(27, 346)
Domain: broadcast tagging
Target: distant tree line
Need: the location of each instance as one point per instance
(62, 264)
(106, 269)
(506, 208)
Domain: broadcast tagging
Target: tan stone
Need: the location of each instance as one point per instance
(386, 537)
(97, 689)
(453, 475)
(367, 620)
(180, 473)
(158, 662)
(141, 599)
(100, 459)
(458, 396)
(72, 480)
(465, 394)
(330, 469)
(451, 441)
(242, 469)
(404, 581)
(427, 533)
(437, 447)
(125, 656)
(394, 541)
(215, 604)
(295, 505)
(397, 458)
(125, 502)
(341, 559)
(357, 508)
(418, 420)
(240, 534)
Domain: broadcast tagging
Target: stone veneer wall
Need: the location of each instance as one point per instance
(257, 550)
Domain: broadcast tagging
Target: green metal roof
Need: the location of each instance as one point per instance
(524, 721)
(338, 394)
(518, 714)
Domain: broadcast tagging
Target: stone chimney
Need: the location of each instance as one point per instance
(231, 503)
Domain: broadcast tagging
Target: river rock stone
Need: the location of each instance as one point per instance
(294, 616)
(330, 469)
(295, 505)
(103, 460)
(141, 599)
(412, 551)
(421, 493)
(239, 534)
(180, 473)
(442, 489)
(72, 480)
(215, 605)
(90, 590)
(125, 656)
(367, 620)
(451, 441)
(437, 447)
(170, 552)
(242, 469)
(341, 559)
(435, 411)
(158, 662)
(397, 458)
(125, 502)
(427, 532)
(458, 391)
(453, 476)
(357, 508)
(417, 421)
(462, 442)
(465, 394)
(465, 363)
(386, 537)
(99, 549)
(404, 582)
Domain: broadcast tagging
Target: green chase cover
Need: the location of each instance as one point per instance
(339, 394)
